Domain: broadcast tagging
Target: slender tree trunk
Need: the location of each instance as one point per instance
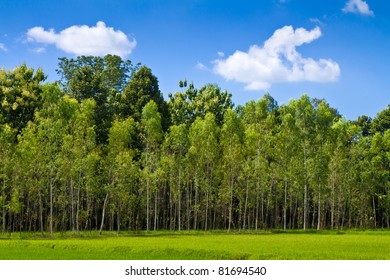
(155, 210)
(188, 206)
(305, 188)
(118, 220)
(4, 205)
(333, 204)
(179, 197)
(196, 203)
(319, 209)
(246, 202)
(257, 209)
(285, 206)
(147, 205)
(51, 206)
(40, 212)
(374, 210)
(231, 201)
(207, 210)
(72, 205)
(78, 209)
(103, 213)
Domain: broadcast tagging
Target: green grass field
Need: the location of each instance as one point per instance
(324, 245)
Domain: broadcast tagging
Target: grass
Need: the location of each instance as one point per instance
(296, 245)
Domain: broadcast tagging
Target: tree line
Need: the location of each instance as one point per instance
(102, 150)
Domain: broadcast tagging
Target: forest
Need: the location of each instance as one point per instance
(101, 150)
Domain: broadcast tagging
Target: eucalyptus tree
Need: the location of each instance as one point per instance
(51, 126)
(203, 154)
(7, 143)
(232, 136)
(121, 167)
(260, 120)
(286, 142)
(304, 120)
(318, 169)
(78, 142)
(176, 147)
(152, 135)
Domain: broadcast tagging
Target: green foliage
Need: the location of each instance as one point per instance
(186, 107)
(20, 95)
(104, 151)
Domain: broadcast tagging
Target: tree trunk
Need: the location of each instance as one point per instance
(155, 210)
(147, 205)
(40, 212)
(231, 201)
(305, 188)
(103, 213)
(319, 209)
(333, 205)
(285, 206)
(246, 202)
(4, 205)
(71, 205)
(51, 206)
(78, 209)
(207, 210)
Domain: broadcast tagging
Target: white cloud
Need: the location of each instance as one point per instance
(3, 48)
(278, 61)
(358, 7)
(200, 66)
(84, 40)
(221, 54)
(316, 20)
(39, 50)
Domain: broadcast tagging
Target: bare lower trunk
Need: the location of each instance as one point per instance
(231, 205)
(305, 189)
(72, 206)
(179, 197)
(103, 213)
(147, 206)
(51, 208)
(319, 211)
(207, 211)
(285, 207)
(246, 203)
(40, 212)
(78, 209)
(257, 210)
(155, 211)
(4, 207)
(333, 205)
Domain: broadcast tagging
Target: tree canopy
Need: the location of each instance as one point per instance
(102, 150)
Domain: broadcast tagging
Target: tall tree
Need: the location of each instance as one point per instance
(152, 136)
(232, 134)
(20, 95)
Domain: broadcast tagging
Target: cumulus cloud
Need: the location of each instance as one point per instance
(3, 48)
(84, 40)
(358, 7)
(278, 61)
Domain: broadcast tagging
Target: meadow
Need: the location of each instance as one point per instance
(296, 245)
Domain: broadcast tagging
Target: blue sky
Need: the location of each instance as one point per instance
(335, 49)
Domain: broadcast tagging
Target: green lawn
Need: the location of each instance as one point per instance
(326, 245)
